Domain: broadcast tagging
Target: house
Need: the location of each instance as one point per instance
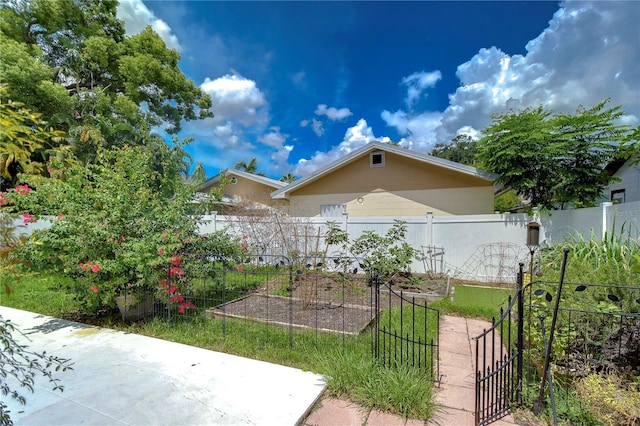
(382, 179)
(627, 189)
(245, 192)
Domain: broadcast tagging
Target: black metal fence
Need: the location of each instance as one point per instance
(258, 296)
(406, 331)
(550, 336)
(274, 300)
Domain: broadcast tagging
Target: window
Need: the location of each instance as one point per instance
(617, 196)
(233, 180)
(377, 159)
(332, 210)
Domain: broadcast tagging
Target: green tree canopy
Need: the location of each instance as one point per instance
(22, 134)
(71, 61)
(250, 166)
(287, 178)
(462, 149)
(554, 160)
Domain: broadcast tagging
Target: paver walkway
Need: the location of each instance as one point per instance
(455, 394)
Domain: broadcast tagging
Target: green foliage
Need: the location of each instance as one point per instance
(19, 364)
(72, 62)
(611, 260)
(385, 255)
(23, 134)
(611, 401)
(462, 149)
(554, 160)
(506, 202)
(121, 224)
(474, 301)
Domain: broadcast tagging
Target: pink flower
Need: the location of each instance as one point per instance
(177, 299)
(83, 266)
(174, 270)
(60, 216)
(28, 218)
(160, 252)
(95, 268)
(94, 289)
(23, 189)
(176, 260)
(3, 198)
(186, 305)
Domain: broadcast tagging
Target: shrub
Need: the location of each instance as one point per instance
(122, 224)
(609, 400)
(386, 255)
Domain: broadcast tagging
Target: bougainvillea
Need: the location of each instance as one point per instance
(118, 225)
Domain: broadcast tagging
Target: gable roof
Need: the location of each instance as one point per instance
(379, 146)
(276, 184)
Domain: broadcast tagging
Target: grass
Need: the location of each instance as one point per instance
(41, 294)
(346, 362)
(475, 301)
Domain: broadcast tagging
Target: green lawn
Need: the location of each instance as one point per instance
(351, 371)
(475, 301)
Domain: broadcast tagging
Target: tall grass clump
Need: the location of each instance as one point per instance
(404, 390)
(610, 260)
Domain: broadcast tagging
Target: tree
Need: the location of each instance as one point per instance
(589, 140)
(287, 178)
(119, 220)
(250, 167)
(22, 135)
(70, 61)
(631, 146)
(199, 175)
(553, 160)
(462, 149)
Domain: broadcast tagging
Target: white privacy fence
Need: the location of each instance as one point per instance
(484, 247)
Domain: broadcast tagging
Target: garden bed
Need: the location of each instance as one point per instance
(327, 303)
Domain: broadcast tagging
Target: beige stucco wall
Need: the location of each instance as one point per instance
(251, 192)
(403, 187)
(398, 174)
(458, 201)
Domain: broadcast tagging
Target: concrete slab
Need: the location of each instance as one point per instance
(122, 378)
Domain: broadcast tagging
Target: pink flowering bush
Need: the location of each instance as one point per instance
(121, 224)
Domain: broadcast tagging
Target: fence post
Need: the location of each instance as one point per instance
(605, 220)
(345, 220)
(215, 220)
(520, 340)
(430, 228)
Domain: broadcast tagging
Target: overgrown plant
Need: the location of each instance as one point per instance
(119, 225)
(386, 254)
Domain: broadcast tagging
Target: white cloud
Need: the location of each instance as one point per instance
(589, 52)
(416, 84)
(276, 140)
(137, 16)
(333, 113)
(238, 98)
(317, 127)
(418, 128)
(299, 80)
(355, 137)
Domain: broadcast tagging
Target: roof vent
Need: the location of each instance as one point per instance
(376, 159)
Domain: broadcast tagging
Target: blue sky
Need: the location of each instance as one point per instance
(298, 84)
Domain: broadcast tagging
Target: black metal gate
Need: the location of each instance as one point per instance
(499, 362)
(406, 330)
